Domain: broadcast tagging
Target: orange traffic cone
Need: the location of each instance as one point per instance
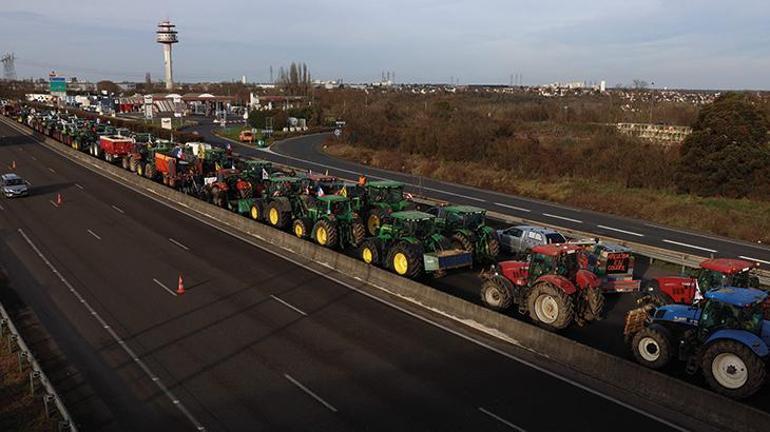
(59, 200)
(180, 287)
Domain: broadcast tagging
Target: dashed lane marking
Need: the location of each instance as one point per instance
(688, 245)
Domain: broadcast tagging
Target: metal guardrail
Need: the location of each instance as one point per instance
(12, 337)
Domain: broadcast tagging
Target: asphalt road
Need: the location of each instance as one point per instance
(256, 342)
(305, 152)
(605, 335)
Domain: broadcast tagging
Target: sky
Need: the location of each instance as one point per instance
(703, 44)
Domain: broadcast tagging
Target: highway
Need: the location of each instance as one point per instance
(305, 152)
(256, 342)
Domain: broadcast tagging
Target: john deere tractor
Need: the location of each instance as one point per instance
(466, 227)
(409, 244)
(378, 200)
(280, 200)
(330, 221)
(725, 335)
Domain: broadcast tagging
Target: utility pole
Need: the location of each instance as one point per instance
(652, 98)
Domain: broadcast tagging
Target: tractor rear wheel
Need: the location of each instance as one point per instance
(371, 251)
(404, 259)
(301, 227)
(374, 220)
(732, 369)
(594, 304)
(275, 216)
(497, 293)
(132, 164)
(124, 162)
(462, 242)
(651, 348)
(357, 233)
(550, 307)
(325, 233)
(140, 169)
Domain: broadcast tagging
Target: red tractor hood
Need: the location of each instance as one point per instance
(515, 271)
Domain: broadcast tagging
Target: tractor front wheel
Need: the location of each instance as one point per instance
(325, 233)
(497, 293)
(255, 212)
(300, 227)
(550, 307)
(651, 348)
(149, 171)
(404, 259)
(371, 250)
(732, 369)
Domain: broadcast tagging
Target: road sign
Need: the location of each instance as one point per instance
(148, 106)
(57, 84)
(165, 123)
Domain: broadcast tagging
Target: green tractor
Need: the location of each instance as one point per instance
(331, 222)
(466, 227)
(378, 200)
(409, 244)
(277, 200)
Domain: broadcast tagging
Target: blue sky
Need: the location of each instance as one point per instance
(674, 43)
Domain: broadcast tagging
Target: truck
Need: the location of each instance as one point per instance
(519, 240)
(725, 336)
(613, 263)
(112, 148)
(410, 245)
(550, 286)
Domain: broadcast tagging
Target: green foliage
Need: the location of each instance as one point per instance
(727, 153)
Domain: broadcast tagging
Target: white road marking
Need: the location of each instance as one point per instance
(53, 203)
(33, 158)
(119, 210)
(562, 217)
(522, 209)
(457, 333)
(755, 259)
(310, 392)
(502, 420)
(450, 193)
(170, 291)
(688, 245)
(288, 305)
(94, 234)
(115, 336)
(620, 230)
(178, 244)
(52, 170)
(79, 186)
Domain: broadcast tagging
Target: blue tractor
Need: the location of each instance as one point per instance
(725, 335)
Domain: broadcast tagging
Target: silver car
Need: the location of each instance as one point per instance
(520, 239)
(14, 186)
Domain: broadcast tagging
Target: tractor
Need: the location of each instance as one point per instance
(725, 336)
(278, 200)
(378, 200)
(409, 244)
(228, 189)
(330, 221)
(713, 274)
(550, 286)
(320, 185)
(467, 229)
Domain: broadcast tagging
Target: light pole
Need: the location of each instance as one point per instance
(652, 98)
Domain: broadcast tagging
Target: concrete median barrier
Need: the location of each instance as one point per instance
(691, 401)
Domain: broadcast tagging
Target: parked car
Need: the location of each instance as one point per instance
(14, 186)
(520, 239)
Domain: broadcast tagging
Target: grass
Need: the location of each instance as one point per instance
(735, 218)
(19, 411)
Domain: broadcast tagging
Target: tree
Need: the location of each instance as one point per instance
(108, 86)
(640, 84)
(727, 150)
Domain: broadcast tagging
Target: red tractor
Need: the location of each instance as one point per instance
(227, 186)
(713, 274)
(550, 286)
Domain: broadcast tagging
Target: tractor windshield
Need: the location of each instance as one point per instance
(567, 265)
(421, 228)
(473, 220)
(742, 279)
(539, 265)
(339, 207)
(717, 316)
(387, 194)
(710, 280)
